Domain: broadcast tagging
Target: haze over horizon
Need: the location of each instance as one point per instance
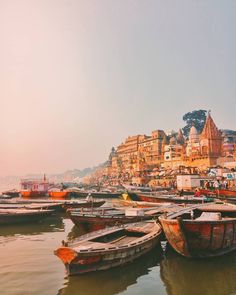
(78, 77)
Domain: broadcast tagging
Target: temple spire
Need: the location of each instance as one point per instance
(210, 130)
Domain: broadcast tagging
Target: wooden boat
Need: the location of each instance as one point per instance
(109, 248)
(226, 193)
(95, 219)
(205, 231)
(103, 195)
(107, 282)
(92, 220)
(220, 193)
(5, 197)
(173, 199)
(57, 205)
(59, 194)
(206, 192)
(31, 204)
(37, 206)
(10, 216)
(137, 204)
(12, 193)
(83, 204)
(32, 194)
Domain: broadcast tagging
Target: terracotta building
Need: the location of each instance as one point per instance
(150, 150)
(141, 153)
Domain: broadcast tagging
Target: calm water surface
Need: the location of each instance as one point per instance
(28, 266)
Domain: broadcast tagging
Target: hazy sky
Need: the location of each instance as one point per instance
(78, 77)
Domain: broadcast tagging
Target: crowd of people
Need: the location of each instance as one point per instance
(216, 184)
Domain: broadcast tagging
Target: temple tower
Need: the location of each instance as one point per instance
(210, 139)
(180, 137)
(193, 143)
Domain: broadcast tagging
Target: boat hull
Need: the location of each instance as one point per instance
(12, 194)
(165, 199)
(24, 217)
(32, 194)
(220, 193)
(193, 238)
(96, 195)
(83, 261)
(92, 223)
(59, 194)
(74, 205)
(226, 193)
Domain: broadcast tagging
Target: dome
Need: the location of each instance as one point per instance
(193, 135)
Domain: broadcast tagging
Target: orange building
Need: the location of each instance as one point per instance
(141, 153)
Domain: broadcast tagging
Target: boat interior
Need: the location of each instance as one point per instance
(205, 215)
(119, 238)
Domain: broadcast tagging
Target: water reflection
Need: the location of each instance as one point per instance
(184, 276)
(50, 224)
(75, 232)
(112, 281)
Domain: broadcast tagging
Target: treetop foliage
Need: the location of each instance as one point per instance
(195, 118)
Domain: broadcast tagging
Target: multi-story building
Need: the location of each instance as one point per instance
(150, 150)
(140, 154)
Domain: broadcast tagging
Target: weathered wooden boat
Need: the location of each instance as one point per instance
(57, 205)
(42, 206)
(12, 193)
(95, 219)
(10, 216)
(59, 194)
(220, 193)
(83, 204)
(110, 247)
(205, 231)
(206, 192)
(173, 199)
(103, 195)
(107, 282)
(5, 197)
(227, 193)
(31, 204)
(92, 220)
(136, 195)
(137, 204)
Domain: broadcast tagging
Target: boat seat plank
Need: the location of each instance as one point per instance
(211, 216)
(124, 241)
(87, 245)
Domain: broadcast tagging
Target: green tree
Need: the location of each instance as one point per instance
(195, 118)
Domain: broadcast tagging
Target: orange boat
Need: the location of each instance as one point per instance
(59, 194)
(32, 194)
(34, 188)
(108, 248)
(204, 231)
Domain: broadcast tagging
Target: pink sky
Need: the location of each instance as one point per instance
(77, 77)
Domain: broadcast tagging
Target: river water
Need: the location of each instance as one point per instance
(28, 266)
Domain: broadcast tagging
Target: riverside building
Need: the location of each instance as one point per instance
(137, 159)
